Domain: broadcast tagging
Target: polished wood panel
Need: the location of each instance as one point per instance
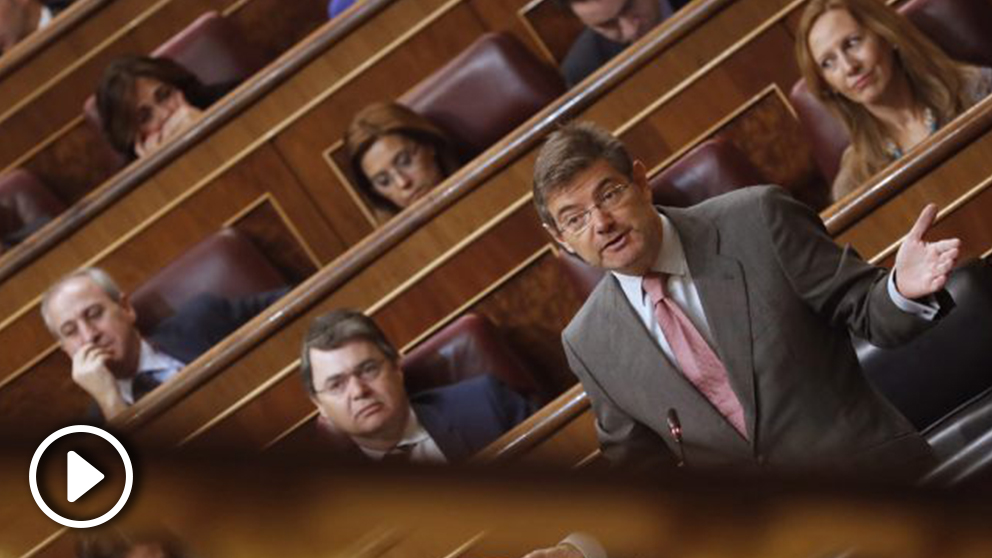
(554, 28)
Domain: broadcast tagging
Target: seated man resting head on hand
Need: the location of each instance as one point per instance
(94, 324)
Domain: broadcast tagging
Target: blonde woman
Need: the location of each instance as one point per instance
(889, 84)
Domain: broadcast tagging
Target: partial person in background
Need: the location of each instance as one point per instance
(397, 156)
(886, 81)
(610, 27)
(94, 323)
(144, 101)
(352, 374)
(20, 18)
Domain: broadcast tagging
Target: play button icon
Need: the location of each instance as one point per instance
(81, 476)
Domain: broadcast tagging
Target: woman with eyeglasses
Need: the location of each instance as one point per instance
(397, 156)
(144, 101)
(889, 84)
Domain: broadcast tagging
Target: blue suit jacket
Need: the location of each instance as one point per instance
(467, 416)
(204, 321)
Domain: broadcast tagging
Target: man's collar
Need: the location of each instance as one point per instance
(413, 434)
(670, 261)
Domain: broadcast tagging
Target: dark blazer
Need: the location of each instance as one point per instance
(204, 321)
(465, 417)
(590, 50)
(779, 296)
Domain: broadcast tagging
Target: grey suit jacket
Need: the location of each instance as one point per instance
(779, 296)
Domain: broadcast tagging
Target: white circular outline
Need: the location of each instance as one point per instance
(33, 476)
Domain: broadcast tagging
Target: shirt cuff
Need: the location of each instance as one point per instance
(926, 308)
(586, 544)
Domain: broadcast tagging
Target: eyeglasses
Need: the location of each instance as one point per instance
(403, 164)
(161, 94)
(574, 222)
(365, 372)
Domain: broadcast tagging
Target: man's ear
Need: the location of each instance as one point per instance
(129, 311)
(640, 174)
(556, 234)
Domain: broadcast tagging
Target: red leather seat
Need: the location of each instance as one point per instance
(825, 133)
(485, 92)
(963, 28)
(226, 264)
(24, 200)
(468, 347)
(712, 168)
(960, 27)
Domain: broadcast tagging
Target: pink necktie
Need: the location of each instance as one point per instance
(695, 357)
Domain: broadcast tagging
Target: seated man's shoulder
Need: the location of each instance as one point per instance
(588, 52)
(480, 395)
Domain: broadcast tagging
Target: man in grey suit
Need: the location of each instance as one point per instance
(760, 370)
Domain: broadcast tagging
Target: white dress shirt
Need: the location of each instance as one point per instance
(165, 367)
(682, 290)
(424, 448)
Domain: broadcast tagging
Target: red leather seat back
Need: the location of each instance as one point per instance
(826, 135)
(581, 276)
(712, 168)
(485, 92)
(25, 199)
(468, 347)
(213, 49)
(963, 28)
(226, 263)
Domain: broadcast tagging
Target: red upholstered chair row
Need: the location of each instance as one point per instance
(712, 168)
(226, 264)
(485, 92)
(24, 200)
(960, 27)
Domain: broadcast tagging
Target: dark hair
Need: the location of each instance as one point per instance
(570, 150)
(336, 329)
(935, 79)
(382, 119)
(115, 96)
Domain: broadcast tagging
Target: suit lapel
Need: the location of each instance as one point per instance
(640, 370)
(449, 439)
(720, 282)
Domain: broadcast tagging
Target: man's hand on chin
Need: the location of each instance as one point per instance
(90, 372)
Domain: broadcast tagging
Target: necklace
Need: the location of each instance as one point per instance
(929, 118)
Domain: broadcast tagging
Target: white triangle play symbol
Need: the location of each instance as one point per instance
(82, 476)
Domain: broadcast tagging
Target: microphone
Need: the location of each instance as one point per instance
(675, 427)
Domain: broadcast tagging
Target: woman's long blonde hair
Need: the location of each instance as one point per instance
(936, 81)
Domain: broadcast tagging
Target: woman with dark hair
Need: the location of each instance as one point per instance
(144, 101)
(396, 155)
(889, 84)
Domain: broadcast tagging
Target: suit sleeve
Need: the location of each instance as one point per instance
(835, 282)
(624, 441)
